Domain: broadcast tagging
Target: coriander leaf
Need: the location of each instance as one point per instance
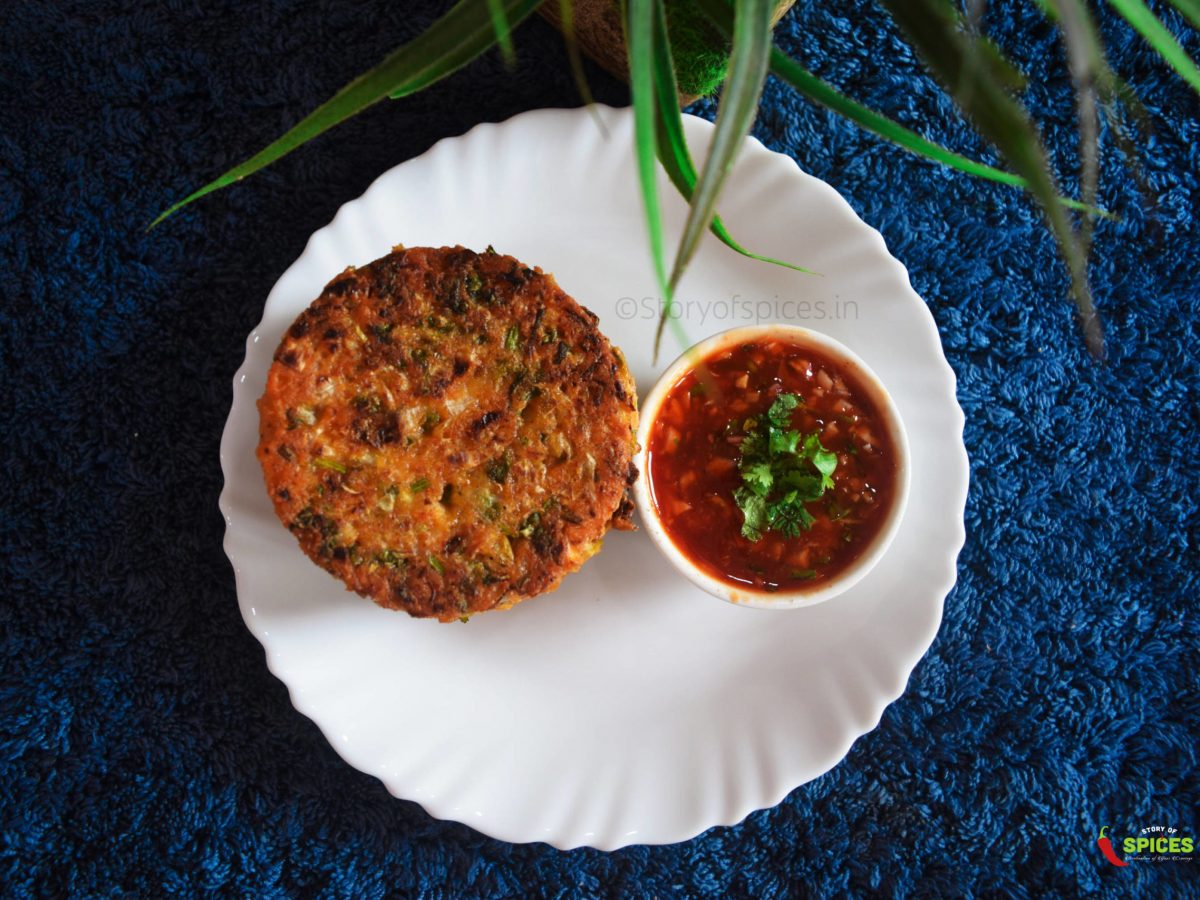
(783, 442)
(788, 515)
(780, 412)
(781, 470)
(754, 512)
(824, 460)
(804, 485)
(758, 477)
(753, 446)
(789, 497)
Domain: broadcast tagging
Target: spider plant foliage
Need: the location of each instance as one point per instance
(970, 67)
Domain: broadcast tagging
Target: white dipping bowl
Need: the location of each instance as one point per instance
(846, 360)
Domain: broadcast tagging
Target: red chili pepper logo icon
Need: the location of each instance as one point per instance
(1106, 848)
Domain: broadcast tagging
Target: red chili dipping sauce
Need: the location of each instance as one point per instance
(772, 465)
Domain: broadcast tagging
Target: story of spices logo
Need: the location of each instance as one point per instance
(1153, 843)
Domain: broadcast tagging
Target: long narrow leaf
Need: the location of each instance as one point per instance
(800, 79)
(1139, 16)
(1112, 89)
(1086, 61)
(739, 103)
(933, 27)
(639, 35)
(1084, 58)
(995, 65)
(655, 63)
(566, 20)
(1190, 8)
(788, 70)
(451, 42)
(503, 31)
(999, 66)
(673, 150)
(1116, 98)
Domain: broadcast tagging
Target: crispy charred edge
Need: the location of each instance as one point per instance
(447, 595)
(422, 592)
(622, 518)
(458, 277)
(455, 591)
(408, 584)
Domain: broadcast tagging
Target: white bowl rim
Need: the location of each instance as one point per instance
(742, 596)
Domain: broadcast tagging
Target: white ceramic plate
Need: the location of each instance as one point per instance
(628, 707)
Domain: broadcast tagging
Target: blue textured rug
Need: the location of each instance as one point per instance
(144, 747)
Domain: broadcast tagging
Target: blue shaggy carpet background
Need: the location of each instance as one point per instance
(145, 750)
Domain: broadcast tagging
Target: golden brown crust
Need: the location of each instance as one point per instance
(448, 432)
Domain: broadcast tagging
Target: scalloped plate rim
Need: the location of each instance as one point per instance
(757, 153)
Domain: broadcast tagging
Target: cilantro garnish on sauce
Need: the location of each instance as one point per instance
(781, 471)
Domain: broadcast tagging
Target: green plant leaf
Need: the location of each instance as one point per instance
(566, 20)
(503, 31)
(748, 62)
(1137, 14)
(1111, 88)
(800, 79)
(935, 29)
(1085, 58)
(1000, 67)
(1116, 98)
(788, 70)
(639, 36)
(673, 151)
(455, 39)
(1190, 8)
(666, 92)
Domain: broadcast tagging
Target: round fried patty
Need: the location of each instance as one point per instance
(448, 432)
